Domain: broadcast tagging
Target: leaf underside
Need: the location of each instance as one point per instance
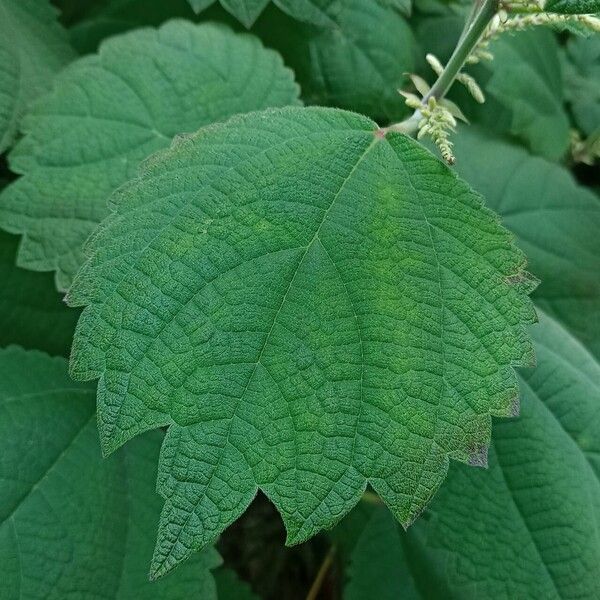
(309, 305)
(109, 111)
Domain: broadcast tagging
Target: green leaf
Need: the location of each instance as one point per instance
(525, 527)
(71, 524)
(556, 222)
(246, 11)
(378, 567)
(534, 535)
(404, 6)
(316, 12)
(573, 7)
(231, 587)
(524, 87)
(359, 64)
(582, 81)
(32, 313)
(310, 305)
(109, 111)
(33, 47)
(113, 17)
(200, 5)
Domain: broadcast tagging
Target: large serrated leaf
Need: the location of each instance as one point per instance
(555, 219)
(523, 528)
(33, 47)
(534, 536)
(71, 524)
(310, 305)
(109, 111)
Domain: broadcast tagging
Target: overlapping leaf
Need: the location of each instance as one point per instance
(95, 21)
(556, 221)
(309, 305)
(71, 524)
(582, 81)
(534, 535)
(525, 527)
(524, 86)
(109, 111)
(33, 47)
(315, 12)
(32, 313)
(358, 64)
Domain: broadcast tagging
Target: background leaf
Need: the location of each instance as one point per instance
(378, 566)
(582, 81)
(524, 87)
(32, 313)
(525, 527)
(556, 222)
(74, 525)
(369, 43)
(99, 20)
(33, 47)
(303, 301)
(109, 111)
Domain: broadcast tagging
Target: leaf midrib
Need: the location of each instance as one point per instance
(315, 237)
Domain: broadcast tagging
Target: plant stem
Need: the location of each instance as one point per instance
(315, 588)
(482, 14)
(463, 50)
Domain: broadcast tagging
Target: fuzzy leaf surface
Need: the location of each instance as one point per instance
(309, 305)
(73, 525)
(537, 505)
(573, 7)
(524, 527)
(109, 111)
(33, 47)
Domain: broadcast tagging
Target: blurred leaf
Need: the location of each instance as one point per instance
(524, 88)
(231, 587)
(555, 220)
(73, 525)
(32, 312)
(582, 81)
(358, 64)
(33, 47)
(109, 111)
(378, 567)
(113, 17)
